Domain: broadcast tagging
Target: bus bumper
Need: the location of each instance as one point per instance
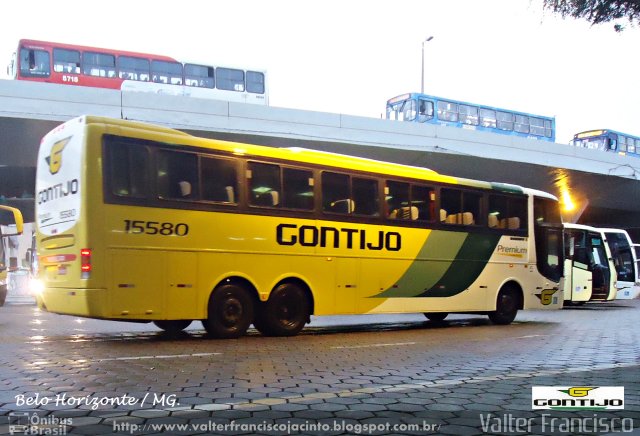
(81, 302)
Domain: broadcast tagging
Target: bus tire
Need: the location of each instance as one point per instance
(230, 312)
(173, 326)
(285, 313)
(507, 305)
(436, 316)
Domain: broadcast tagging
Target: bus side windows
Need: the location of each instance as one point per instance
(177, 175)
(349, 195)
(219, 180)
(462, 207)
(297, 189)
(264, 184)
(505, 212)
(66, 61)
(128, 171)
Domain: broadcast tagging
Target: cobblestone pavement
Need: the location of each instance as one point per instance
(396, 374)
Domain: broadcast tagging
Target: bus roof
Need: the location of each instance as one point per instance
(296, 154)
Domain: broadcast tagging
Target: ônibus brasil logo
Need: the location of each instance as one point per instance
(577, 397)
(54, 160)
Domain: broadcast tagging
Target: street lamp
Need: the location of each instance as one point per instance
(422, 76)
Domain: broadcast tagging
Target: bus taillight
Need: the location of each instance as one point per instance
(85, 263)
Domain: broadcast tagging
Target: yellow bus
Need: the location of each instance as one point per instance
(8, 216)
(143, 223)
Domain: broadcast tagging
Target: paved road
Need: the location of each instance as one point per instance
(396, 374)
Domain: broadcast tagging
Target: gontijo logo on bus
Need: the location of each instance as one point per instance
(546, 296)
(54, 160)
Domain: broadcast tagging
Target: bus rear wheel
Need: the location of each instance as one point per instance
(285, 313)
(230, 312)
(174, 326)
(436, 316)
(507, 306)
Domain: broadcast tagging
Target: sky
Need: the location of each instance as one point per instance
(350, 56)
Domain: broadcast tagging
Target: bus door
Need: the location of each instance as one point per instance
(578, 277)
(603, 272)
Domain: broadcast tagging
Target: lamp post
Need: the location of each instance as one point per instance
(422, 76)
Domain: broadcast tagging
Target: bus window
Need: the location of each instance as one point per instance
(264, 184)
(488, 118)
(201, 76)
(99, 64)
(365, 196)
(546, 211)
(471, 203)
(131, 68)
(34, 63)
(66, 61)
(451, 204)
(537, 126)
(166, 72)
(423, 200)
(468, 114)
(297, 189)
(522, 124)
(219, 180)
(128, 169)
(230, 79)
(336, 196)
(504, 120)
(425, 110)
(548, 128)
(447, 111)
(177, 175)
(255, 82)
(397, 197)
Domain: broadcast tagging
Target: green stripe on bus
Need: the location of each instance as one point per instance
(465, 269)
(505, 187)
(426, 271)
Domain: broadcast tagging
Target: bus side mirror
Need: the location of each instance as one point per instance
(17, 220)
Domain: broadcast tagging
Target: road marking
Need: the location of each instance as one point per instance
(528, 336)
(396, 344)
(271, 401)
(125, 358)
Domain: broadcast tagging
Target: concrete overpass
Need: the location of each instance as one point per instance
(604, 186)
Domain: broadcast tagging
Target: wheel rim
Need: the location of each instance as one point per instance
(507, 303)
(231, 312)
(287, 310)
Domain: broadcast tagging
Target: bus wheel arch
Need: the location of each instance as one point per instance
(509, 300)
(287, 310)
(230, 308)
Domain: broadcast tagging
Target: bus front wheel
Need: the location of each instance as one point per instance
(507, 306)
(285, 313)
(174, 326)
(230, 312)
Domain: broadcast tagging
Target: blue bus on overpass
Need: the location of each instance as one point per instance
(422, 108)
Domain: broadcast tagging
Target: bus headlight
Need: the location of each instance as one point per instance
(36, 287)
